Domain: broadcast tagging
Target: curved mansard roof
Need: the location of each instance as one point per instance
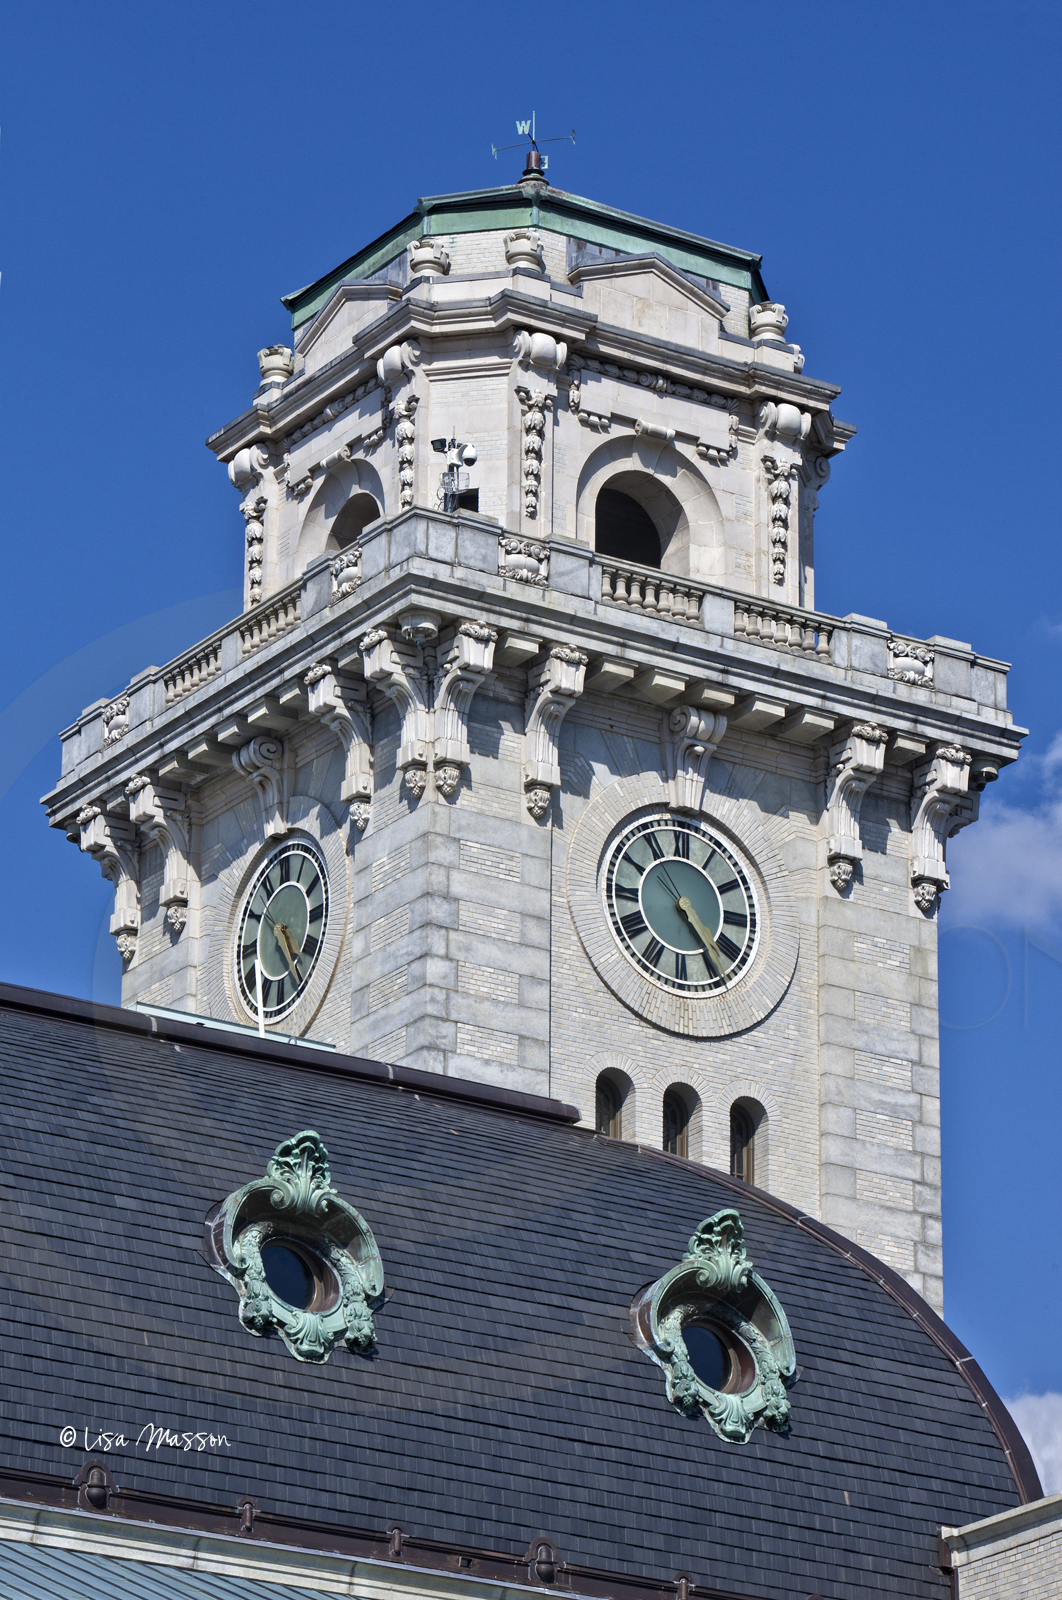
(506, 1398)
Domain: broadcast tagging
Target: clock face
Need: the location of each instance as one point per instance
(680, 905)
(281, 930)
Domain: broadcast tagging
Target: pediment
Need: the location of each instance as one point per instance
(352, 307)
(648, 295)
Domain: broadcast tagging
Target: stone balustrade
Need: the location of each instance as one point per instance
(198, 666)
(656, 594)
(431, 545)
(802, 633)
(264, 624)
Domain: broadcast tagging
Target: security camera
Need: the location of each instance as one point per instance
(469, 455)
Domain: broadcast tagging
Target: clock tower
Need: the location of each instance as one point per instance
(530, 758)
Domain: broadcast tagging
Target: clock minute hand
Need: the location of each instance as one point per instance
(686, 907)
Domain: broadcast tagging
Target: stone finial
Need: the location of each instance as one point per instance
(523, 248)
(427, 258)
(276, 363)
(768, 321)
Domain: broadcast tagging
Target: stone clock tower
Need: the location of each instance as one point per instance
(530, 758)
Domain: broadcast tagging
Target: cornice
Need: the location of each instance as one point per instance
(603, 631)
(413, 317)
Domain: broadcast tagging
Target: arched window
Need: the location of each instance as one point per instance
(676, 1124)
(356, 514)
(609, 1119)
(624, 529)
(742, 1144)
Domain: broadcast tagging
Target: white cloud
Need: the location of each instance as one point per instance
(1007, 868)
(1039, 1416)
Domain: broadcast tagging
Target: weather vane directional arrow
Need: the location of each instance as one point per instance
(526, 128)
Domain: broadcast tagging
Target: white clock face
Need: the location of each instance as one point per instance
(680, 905)
(281, 930)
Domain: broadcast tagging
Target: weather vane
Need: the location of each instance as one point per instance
(526, 129)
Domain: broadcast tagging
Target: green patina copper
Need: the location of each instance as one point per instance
(714, 1284)
(516, 206)
(295, 1205)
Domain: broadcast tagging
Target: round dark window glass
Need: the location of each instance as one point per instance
(288, 1275)
(709, 1357)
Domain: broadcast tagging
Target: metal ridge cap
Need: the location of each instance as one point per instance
(198, 1032)
(327, 1539)
(1019, 1458)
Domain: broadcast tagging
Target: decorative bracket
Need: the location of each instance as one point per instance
(715, 1289)
(295, 1206)
(262, 761)
(941, 804)
(553, 689)
(162, 816)
(463, 669)
(112, 842)
(853, 767)
(396, 668)
(343, 707)
(689, 742)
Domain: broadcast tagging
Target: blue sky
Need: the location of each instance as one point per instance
(167, 173)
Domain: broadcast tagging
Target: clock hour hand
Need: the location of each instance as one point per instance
(291, 955)
(686, 907)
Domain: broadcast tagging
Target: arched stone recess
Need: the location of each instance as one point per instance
(675, 494)
(309, 818)
(768, 976)
(762, 1106)
(624, 1074)
(341, 507)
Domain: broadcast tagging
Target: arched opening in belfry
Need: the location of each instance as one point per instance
(624, 530)
(356, 514)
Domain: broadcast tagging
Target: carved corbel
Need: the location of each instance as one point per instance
(396, 668)
(112, 842)
(343, 707)
(161, 814)
(464, 669)
(940, 805)
(553, 689)
(539, 350)
(261, 760)
(690, 737)
(854, 764)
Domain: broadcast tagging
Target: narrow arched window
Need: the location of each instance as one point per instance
(609, 1120)
(676, 1124)
(742, 1145)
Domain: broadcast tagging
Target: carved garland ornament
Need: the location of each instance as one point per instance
(715, 1289)
(533, 403)
(779, 488)
(295, 1206)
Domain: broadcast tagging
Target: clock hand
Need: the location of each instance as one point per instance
(686, 907)
(291, 955)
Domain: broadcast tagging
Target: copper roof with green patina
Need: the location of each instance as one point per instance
(530, 205)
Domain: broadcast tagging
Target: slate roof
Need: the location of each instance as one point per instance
(506, 1398)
